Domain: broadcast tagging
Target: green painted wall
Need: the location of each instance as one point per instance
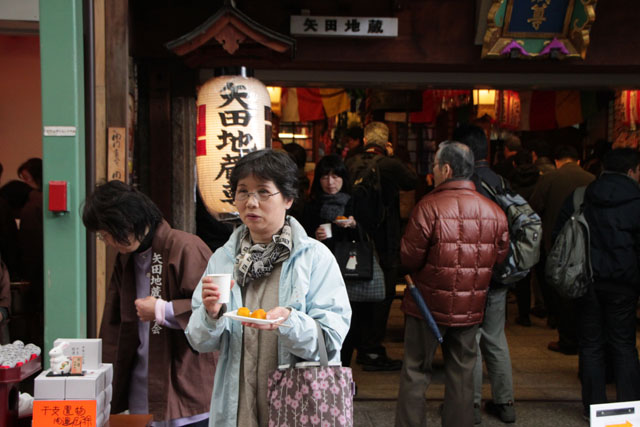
(62, 73)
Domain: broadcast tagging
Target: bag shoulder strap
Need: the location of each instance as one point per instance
(578, 206)
(503, 184)
(578, 198)
(489, 189)
(322, 347)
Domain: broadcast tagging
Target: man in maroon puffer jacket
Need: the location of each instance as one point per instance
(452, 241)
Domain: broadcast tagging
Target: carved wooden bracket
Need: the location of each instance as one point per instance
(230, 39)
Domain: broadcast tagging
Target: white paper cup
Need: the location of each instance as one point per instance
(327, 229)
(223, 281)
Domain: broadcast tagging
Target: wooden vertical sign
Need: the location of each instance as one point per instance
(116, 154)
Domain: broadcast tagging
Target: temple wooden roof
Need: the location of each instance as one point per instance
(227, 34)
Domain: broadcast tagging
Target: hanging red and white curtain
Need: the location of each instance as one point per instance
(309, 104)
(550, 109)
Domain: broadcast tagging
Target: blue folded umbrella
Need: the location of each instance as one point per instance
(422, 306)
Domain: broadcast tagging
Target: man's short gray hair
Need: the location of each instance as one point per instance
(458, 156)
(376, 133)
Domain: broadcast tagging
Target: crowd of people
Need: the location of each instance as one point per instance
(179, 358)
(21, 252)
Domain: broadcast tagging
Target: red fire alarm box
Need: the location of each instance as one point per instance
(58, 196)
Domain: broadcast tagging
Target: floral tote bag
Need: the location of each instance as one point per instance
(311, 393)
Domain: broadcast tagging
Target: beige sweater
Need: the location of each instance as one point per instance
(259, 353)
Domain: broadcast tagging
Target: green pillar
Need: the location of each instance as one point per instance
(61, 58)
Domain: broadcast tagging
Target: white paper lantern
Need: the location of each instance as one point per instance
(234, 119)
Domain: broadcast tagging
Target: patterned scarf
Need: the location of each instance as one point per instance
(256, 260)
(332, 205)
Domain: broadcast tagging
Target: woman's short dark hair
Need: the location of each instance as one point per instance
(269, 165)
(331, 163)
(120, 210)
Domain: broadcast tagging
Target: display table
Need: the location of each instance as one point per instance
(130, 420)
(9, 381)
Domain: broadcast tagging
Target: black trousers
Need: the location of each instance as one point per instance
(545, 288)
(372, 341)
(523, 296)
(608, 323)
(361, 318)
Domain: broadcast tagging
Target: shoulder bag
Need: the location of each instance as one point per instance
(355, 257)
(306, 395)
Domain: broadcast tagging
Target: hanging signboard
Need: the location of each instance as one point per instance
(116, 154)
(538, 28)
(343, 26)
(538, 18)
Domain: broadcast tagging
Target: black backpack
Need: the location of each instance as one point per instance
(568, 267)
(366, 191)
(525, 234)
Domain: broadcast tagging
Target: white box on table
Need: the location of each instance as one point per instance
(49, 388)
(89, 348)
(108, 394)
(88, 386)
(108, 373)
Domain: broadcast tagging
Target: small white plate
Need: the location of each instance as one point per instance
(341, 221)
(234, 315)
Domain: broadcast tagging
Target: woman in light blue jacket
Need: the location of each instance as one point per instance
(276, 267)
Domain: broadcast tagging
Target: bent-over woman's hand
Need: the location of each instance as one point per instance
(274, 313)
(211, 295)
(146, 308)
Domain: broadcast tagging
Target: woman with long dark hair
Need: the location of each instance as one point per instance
(331, 202)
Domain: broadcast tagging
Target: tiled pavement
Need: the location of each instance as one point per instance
(546, 385)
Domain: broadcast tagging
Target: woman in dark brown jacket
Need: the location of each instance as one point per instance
(147, 307)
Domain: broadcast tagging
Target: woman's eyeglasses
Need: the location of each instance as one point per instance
(261, 196)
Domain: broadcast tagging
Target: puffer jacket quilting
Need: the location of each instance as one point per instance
(453, 239)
